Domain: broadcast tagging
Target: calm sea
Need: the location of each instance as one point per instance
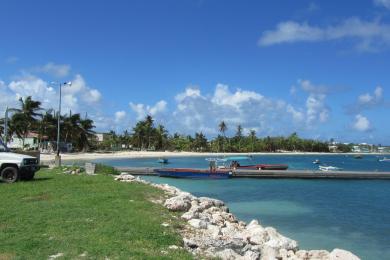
(319, 214)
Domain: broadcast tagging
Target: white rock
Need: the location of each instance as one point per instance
(181, 202)
(190, 215)
(318, 254)
(268, 253)
(214, 230)
(198, 223)
(173, 247)
(56, 256)
(340, 254)
(255, 233)
(251, 255)
(228, 254)
(279, 241)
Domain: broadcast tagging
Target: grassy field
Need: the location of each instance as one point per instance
(85, 217)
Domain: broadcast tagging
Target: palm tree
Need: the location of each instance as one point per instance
(85, 133)
(223, 128)
(239, 136)
(25, 120)
(252, 135)
(161, 137)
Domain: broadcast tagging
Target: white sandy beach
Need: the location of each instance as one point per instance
(46, 158)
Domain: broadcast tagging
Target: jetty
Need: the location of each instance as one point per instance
(280, 174)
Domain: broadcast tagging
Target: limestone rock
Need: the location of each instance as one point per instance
(339, 254)
(181, 202)
(227, 254)
(198, 223)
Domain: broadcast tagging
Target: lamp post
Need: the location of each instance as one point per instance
(58, 157)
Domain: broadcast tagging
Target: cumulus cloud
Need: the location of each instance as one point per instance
(367, 101)
(197, 112)
(78, 97)
(384, 3)
(316, 108)
(370, 35)
(142, 110)
(361, 123)
(56, 70)
(120, 116)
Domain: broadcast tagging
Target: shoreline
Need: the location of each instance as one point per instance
(47, 158)
(212, 231)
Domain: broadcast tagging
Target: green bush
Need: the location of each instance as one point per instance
(105, 169)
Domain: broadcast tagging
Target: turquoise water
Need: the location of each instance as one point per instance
(346, 162)
(319, 214)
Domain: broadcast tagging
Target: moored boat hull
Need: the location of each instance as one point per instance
(265, 167)
(193, 174)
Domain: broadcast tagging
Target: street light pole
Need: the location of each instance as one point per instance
(59, 125)
(58, 157)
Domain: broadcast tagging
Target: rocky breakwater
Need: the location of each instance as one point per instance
(213, 231)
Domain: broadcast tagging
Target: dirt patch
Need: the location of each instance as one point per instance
(39, 197)
(7, 256)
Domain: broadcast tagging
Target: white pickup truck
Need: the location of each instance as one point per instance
(14, 167)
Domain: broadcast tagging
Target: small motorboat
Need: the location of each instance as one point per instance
(238, 163)
(358, 156)
(329, 168)
(384, 159)
(316, 161)
(193, 173)
(213, 172)
(162, 160)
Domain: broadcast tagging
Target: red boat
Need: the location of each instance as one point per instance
(235, 163)
(264, 167)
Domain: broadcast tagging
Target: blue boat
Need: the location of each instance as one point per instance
(193, 173)
(162, 160)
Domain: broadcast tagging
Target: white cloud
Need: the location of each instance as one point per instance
(368, 100)
(78, 97)
(370, 35)
(197, 112)
(384, 3)
(56, 70)
(316, 108)
(142, 110)
(120, 116)
(189, 92)
(361, 123)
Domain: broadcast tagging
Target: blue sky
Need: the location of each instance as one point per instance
(320, 68)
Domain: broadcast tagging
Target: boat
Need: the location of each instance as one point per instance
(316, 161)
(213, 172)
(329, 168)
(358, 156)
(384, 159)
(162, 160)
(237, 162)
(193, 173)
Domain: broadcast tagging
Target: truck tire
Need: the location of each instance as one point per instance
(10, 174)
(27, 176)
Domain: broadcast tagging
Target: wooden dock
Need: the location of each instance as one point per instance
(280, 174)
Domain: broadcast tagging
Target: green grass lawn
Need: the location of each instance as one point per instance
(85, 217)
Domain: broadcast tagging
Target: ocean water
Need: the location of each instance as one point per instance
(346, 162)
(319, 214)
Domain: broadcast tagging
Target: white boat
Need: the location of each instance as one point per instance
(329, 168)
(384, 159)
(316, 161)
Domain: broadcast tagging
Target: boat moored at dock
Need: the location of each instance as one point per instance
(193, 173)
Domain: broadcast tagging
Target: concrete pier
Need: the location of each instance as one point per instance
(278, 174)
